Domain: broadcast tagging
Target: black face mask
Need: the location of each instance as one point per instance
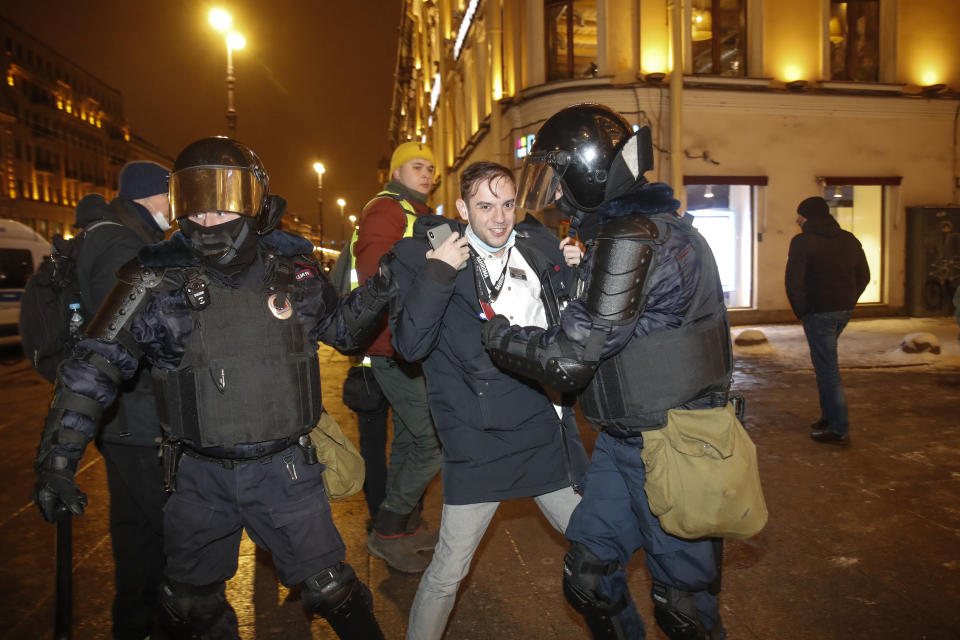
(225, 246)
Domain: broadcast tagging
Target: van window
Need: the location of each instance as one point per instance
(16, 267)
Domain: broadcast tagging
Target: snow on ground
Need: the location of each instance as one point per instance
(865, 344)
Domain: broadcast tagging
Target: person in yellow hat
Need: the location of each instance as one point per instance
(398, 535)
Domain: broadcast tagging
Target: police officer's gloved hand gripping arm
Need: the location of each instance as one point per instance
(86, 386)
(592, 328)
(357, 321)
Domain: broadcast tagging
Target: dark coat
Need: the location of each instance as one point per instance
(826, 268)
(104, 249)
(500, 434)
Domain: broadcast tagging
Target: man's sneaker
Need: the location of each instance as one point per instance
(397, 552)
(819, 425)
(829, 437)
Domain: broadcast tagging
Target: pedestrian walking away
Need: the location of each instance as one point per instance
(228, 312)
(827, 272)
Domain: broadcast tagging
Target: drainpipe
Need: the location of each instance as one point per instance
(676, 103)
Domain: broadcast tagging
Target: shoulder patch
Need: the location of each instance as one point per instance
(304, 271)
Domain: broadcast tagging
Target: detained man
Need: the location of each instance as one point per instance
(502, 437)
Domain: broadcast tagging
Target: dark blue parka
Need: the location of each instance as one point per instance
(501, 436)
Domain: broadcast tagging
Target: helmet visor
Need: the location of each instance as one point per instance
(210, 188)
(540, 179)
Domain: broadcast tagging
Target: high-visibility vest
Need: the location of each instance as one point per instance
(409, 211)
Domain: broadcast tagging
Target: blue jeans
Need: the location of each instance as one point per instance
(822, 331)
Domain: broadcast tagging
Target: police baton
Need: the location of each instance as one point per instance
(63, 597)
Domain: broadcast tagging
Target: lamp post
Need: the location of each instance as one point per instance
(341, 202)
(318, 167)
(222, 21)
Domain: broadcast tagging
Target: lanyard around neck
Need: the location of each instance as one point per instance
(489, 291)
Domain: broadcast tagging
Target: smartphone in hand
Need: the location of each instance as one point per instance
(436, 237)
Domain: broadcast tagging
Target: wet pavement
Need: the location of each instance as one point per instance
(862, 542)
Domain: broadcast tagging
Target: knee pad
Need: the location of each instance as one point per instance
(188, 611)
(676, 614)
(337, 595)
(582, 571)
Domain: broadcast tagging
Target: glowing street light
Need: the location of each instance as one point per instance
(320, 169)
(221, 20)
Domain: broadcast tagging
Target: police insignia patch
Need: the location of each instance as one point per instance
(304, 271)
(283, 311)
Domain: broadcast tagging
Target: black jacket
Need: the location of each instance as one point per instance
(501, 436)
(826, 268)
(104, 249)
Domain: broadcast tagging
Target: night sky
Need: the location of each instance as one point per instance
(314, 82)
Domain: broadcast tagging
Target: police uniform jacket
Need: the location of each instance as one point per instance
(163, 324)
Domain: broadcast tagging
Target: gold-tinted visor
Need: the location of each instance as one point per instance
(200, 189)
(539, 180)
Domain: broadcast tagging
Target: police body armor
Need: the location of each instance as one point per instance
(632, 390)
(241, 381)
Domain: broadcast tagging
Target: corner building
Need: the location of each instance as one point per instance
(754, 105)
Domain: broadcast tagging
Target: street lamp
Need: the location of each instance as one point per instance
(319, 168)
(222, 21)
(341, 202)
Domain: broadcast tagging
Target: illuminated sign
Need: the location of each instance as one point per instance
(524, 144)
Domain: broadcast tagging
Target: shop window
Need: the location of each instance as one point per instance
(855, 40)
(859, 210)
(571, 35)
(718, 37)
(724, 214)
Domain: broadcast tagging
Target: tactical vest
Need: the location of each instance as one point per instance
(634, 389)
(246, 376)
(411, 214)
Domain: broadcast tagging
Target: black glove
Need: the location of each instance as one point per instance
(56, 488)
(492, 327)
(379, 283)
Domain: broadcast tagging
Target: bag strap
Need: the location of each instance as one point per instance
(128, 220)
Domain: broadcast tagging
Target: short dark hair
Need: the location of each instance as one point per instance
(480, 172)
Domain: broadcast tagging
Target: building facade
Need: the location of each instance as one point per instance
(772, 101)
(62, 135)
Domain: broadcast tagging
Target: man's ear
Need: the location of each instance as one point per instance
(462, 208)
(396, 174)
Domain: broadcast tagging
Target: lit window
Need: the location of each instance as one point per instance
(571, 33)
(859, 210)
(718, 38)
(855, 40)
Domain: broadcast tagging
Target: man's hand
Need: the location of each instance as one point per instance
(379, 283)
(55, 487)
(572, 253)
(492, 327)
(454, 251)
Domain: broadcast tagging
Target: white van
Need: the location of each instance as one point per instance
(21, 251)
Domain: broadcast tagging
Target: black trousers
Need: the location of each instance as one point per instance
(135, 481)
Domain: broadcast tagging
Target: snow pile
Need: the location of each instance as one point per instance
(872, 343)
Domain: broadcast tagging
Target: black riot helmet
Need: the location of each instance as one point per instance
(221, 174)
(591, 151)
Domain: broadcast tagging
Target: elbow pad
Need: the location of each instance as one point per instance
(555, 365)
(622, 262)
(128, 294)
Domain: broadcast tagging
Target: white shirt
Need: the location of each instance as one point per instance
(519, 299)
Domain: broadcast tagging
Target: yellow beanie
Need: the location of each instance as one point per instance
(407, 152)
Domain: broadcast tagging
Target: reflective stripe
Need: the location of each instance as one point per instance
(411, 214)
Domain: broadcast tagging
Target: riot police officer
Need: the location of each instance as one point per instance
(648, 333)
(228, 312)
